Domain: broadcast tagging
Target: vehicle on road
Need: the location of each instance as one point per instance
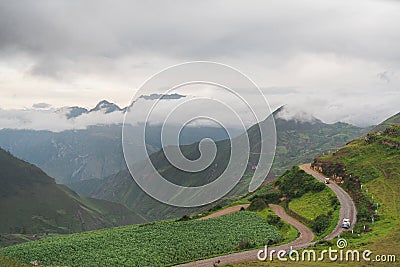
(326, 180)
(346, 223)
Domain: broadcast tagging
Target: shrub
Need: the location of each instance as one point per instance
(321, 223)
(257, 204)
(272, 198)
(245, 245)
(275, 220)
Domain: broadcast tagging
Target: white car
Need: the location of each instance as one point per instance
(346, 223)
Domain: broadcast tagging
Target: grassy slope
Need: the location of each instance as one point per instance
(150, 245)
(31, 202)
(297, 192)
(395, 119)
(307, 206)
(311, 205)
(378, 168)
(289, 233)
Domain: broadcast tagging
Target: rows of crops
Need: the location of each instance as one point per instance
(151, 245)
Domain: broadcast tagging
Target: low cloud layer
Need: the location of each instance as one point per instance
(41, 105)
(54, 120)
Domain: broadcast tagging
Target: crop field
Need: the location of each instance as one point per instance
(157, 244)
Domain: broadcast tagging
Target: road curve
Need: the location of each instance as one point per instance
(303, 241)
(347, 210)
(347, 207)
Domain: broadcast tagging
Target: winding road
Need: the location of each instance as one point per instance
(347, 207)
(305, 239)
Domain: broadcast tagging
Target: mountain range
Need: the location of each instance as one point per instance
(32, 202)
(91, 162)
(297, 142)
(94, 151)
(368, 167)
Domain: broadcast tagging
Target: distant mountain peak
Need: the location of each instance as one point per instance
(106, 106)
(162, 96)
(75, 111)
(278, 110)
(289, 114)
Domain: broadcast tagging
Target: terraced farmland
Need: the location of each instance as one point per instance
(156, 244)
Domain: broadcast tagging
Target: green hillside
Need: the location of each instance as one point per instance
(32, 203)
(395, 119)
(374, 163)
(303, 197)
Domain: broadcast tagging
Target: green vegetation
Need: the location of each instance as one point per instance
(32, 203)
(7, 262)
(295, 183)
(289, 233)
(311, 205)
(300, 142)
(304, 198)
(373, 162)
(150, 245)
(320, 210)
(395, 119)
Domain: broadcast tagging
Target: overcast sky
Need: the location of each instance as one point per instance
(339, 60)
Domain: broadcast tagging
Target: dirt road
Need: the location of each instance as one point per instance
(304, 240)
(347, 207)
(225, 211)
(347, 210)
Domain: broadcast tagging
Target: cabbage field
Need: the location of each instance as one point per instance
(157, 244)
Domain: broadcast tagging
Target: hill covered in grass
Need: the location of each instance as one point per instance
(304, 198)
(370, 171)
(395, 119)
(32, 203)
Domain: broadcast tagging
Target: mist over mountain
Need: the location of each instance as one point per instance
(94, 152)
(298, 141)
(44, 117)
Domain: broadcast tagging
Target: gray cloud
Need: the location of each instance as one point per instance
(41, 105)
(311, 50)
(384, 76)
(54, 120)
(60, 31)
